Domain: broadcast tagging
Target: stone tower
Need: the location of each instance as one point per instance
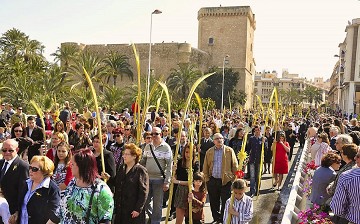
(230, 31)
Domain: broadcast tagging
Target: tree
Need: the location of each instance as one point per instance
(66, 54)
(113, 98)
(118, 66)
(181, 80)
(214, 86)
(313, 95)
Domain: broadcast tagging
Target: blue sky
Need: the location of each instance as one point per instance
(300, 35)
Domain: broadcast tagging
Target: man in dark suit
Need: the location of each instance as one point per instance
(205, 143)
(13, 175)
(36, 134)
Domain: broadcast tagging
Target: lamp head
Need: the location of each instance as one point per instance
(156, 11)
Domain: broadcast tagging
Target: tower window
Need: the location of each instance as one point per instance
(211, 41)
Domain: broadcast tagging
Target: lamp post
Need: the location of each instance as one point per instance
(339, 72)
(156, 11)
(222, 87)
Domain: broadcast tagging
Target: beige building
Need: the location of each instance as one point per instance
(266, 81)
(222, 31)
(345, 82)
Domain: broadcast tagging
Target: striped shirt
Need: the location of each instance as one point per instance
(218, 154)
(346, 200)
(243, 206)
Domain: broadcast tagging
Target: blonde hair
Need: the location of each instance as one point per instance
(60, 136)
(45, 164)
(134, 151)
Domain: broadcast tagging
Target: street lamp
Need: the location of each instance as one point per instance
(223, 78)
(156, 11)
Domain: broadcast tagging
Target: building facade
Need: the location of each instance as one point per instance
(222, 31)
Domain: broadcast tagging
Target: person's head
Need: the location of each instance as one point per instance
(218, 140)
(185, 154)
(2, 130)
(355, 135)
(84, 166)
(183, 137)
(199, 181)
(110, 126)
(40, 168)
(63, 154)
(165, 131)
(147, 137)
(118, 135)
(31, 122)
(267, 129)
(331, 159)
(257, 131)
(56, 138)
(163, 121)
(79, 128)
(353, 122)
(207, 133)
(239, 134)
(9, 149)
(323, 137)
(18, 130)
(334, 131)
(349, 152)
(127, 130)
(342, 140)
(357, 158)
(59, 126)
(132, 154)
(19, 110)
(281, 136)
(156, 135)
(239, 188)
(96, 141)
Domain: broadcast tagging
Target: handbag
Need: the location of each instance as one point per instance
(157, 162)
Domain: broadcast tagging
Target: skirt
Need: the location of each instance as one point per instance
(181, 197)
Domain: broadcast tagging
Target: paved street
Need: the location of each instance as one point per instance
(269, 206)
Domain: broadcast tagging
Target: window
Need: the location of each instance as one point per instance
(211, 41)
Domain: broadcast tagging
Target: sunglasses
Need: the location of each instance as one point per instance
(154, 134)
(148, 137)
(34, 169)
(8, 150)
(18, 130)
(117, 135)
(127, 129)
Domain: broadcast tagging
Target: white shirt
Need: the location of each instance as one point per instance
(9, 163)
(4, 210)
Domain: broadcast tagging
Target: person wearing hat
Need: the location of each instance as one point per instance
(19, 116)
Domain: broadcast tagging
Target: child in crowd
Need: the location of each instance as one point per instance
(242, 210)
(62, 162)
(198, 198)
(4, 209)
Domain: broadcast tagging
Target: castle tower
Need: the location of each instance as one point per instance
(230, 31)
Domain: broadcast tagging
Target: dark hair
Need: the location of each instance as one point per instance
(350, 151)
(200, 176)
(55, 127)
(330, 158)
(18, 124)
(31, 118)
(86, 162)
(183, 158)
(78, 126)
(104, 136)
(356, 137)
(67, 159)
(147, 133)
(237, 133)
(280, 134)
(239, 184)
(324, 137)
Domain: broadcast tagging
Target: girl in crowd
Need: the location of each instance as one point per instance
(242, 209)
(236, 142)
(40, 196)
(198, 198)
(56, 139)
(132, 188)
(62, 161)
(181, 179)
(87, 199)
(59, 127)
(109, 161)
(323, 176)
(281, 159)
(268, 152)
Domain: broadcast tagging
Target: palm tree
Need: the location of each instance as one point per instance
(113, 98)
(118, 66)
(181, 79)
(66, 54)
(313, 94)
(93, 66)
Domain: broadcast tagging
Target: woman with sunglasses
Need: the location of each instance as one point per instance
(18, 132)
(117, 148)
(324, 175)
(41, 195)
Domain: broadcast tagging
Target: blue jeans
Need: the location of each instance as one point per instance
(254, 171)
(156, 194)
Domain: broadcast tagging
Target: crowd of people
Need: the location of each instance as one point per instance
(54, 174)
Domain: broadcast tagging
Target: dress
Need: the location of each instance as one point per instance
(131, 191)
(268, 152)
(281, 159)
(75, 202)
